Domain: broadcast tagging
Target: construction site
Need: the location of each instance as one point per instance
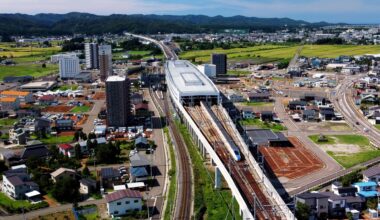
(292, 161)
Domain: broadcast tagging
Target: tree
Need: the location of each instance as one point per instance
(92, 135)
(66, 190)
(372, 203)
(350, 178)
(106, 153)
(43, 65)
(78, 152)
(86, 172)
(76, 136)
(302, 211)
(83, 136)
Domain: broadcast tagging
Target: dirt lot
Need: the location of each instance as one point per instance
(58, 109)
(324, 126)
(99, 96)
(291, 162)
(67, 215)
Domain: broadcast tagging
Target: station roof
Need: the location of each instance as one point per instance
(188, 80)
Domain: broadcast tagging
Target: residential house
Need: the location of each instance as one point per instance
(123, 201)
(259, 97)
(64, 124)
(87, 186)
(310, 115)
(372, 174)
(42, 125)
(62, 172)
(139, 168)
(10, 103)
(247, 113)
(267, 116)
(16, 183)
(18, 136)
(26, 97)
(32, 149)
(109, 177)
(366, 189)
(326, 114)
(141, 143)
(233, 96)
(317, 202)
(46, 99)
(83, 144)
(297, 105)
(337, 204)
(67, 150)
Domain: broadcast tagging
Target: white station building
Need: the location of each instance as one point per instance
(189, 86)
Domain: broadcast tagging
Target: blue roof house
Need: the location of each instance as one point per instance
(366, 189)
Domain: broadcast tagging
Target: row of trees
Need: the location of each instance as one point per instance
(135, 44)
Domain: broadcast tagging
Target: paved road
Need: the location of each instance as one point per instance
(343, 100)
(331, 166)
(160, 159)
(92, 115)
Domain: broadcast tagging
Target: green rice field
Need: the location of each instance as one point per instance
(270, 53)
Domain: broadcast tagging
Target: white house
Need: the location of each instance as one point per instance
(16, 183)
(123, 201)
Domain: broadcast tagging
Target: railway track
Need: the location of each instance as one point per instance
(245, 180)
(184, 195)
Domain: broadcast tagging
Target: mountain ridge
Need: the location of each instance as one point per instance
(87, 23)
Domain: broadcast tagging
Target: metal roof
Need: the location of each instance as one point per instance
(121, 194)
(372, 171)
(188, 80)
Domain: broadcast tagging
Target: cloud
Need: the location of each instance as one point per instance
(101, 7)
(292, 8)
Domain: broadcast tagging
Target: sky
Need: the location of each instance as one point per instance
(348, 11)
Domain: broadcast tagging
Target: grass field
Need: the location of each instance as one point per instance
(377, 127)
(35, 70)
(276, 127)
(57, 140)
(238, 72)
(25, 58)
(258, 104)
(16, 206)
(348, 150)
(7, 122)
(67, 87)
(81, 109)
(270, 53)
(343, 139)
(11, 51)
(209, 203)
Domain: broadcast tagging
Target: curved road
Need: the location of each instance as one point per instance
(343, 100)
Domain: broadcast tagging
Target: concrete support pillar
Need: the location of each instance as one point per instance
(218, 178)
